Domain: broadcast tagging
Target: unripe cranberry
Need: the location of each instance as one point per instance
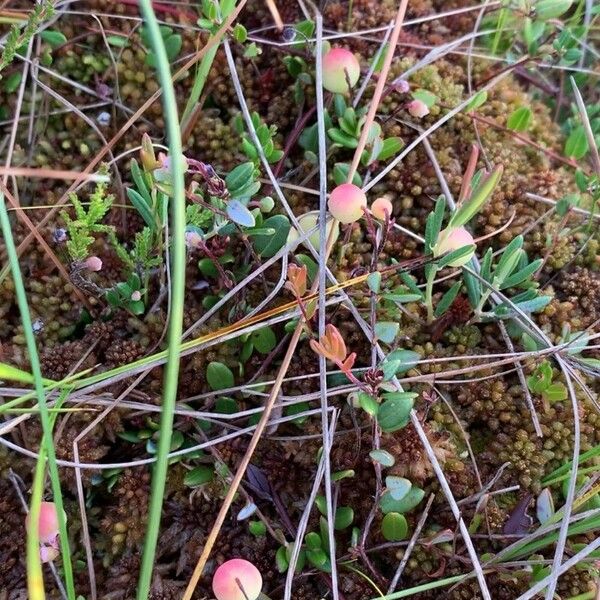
(418, 109)
(93, 263)
(340, 67)
(48, 523)
(379, 208)
(309, 221)
(234, 576)
(346, 203)
(453, 238)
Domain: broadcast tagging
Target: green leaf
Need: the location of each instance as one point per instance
(555, 392)
(311, 266)
(317, 558)
(240, 214)
(400, 361)
(383, 457)
(397, 486)
(118, 41)
(551, 9)
(264, 340)
(386, 331)
(391, 147)
(410, 282)
(482, 190)
(140, 182)
(478, 100)
(345, 474)
(433, 224)
(447, 299)
(312, 541)
(281, 561)
(226, 406)
(406, 504)
(544, 506)
(340, 174)
(374, 281)
(304, 30)
(522, 275)
(368, 403)
(12, 82)
(520, 119)
(425, 96)
(257, 528)
(268, 245)
(455, 255)
(379, 58)
(576, 145)
(239, 33)
(473, 285)
(142, 207)
(219, 376)
(343, 139)
(402, 298)
(239, 177)
(394, 527)
(394, 413)
(535, 304)
(344, 516)
(53, 37)
(173, 46)
(198, 476)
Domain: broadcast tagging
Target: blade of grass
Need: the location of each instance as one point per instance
(175, 327)
(34, 568)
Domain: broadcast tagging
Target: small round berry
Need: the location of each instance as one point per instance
(93, 263)
(309, 221)
(380, 206)
(346, 203)
(340, 67)
(453, 238)
(47, 524)
(418, 109)
(237, 579)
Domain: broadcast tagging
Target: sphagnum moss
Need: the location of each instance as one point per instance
(492, 412)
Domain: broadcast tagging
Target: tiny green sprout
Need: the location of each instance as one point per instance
(347, 203)
(540, 382)
(451, 239)
(340, 70)
(237, 579)
(382, 207)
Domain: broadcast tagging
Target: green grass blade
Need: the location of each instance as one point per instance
(34, 567)
(177, 229)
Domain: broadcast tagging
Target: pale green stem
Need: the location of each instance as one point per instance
(432, 272)
(177, 229)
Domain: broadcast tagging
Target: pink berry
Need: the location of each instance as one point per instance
(418, 109)
(379, 208)
(235, 573)
(93, 263)
(451, 239)
(340, 67)
(48, 523)
(346, 203)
